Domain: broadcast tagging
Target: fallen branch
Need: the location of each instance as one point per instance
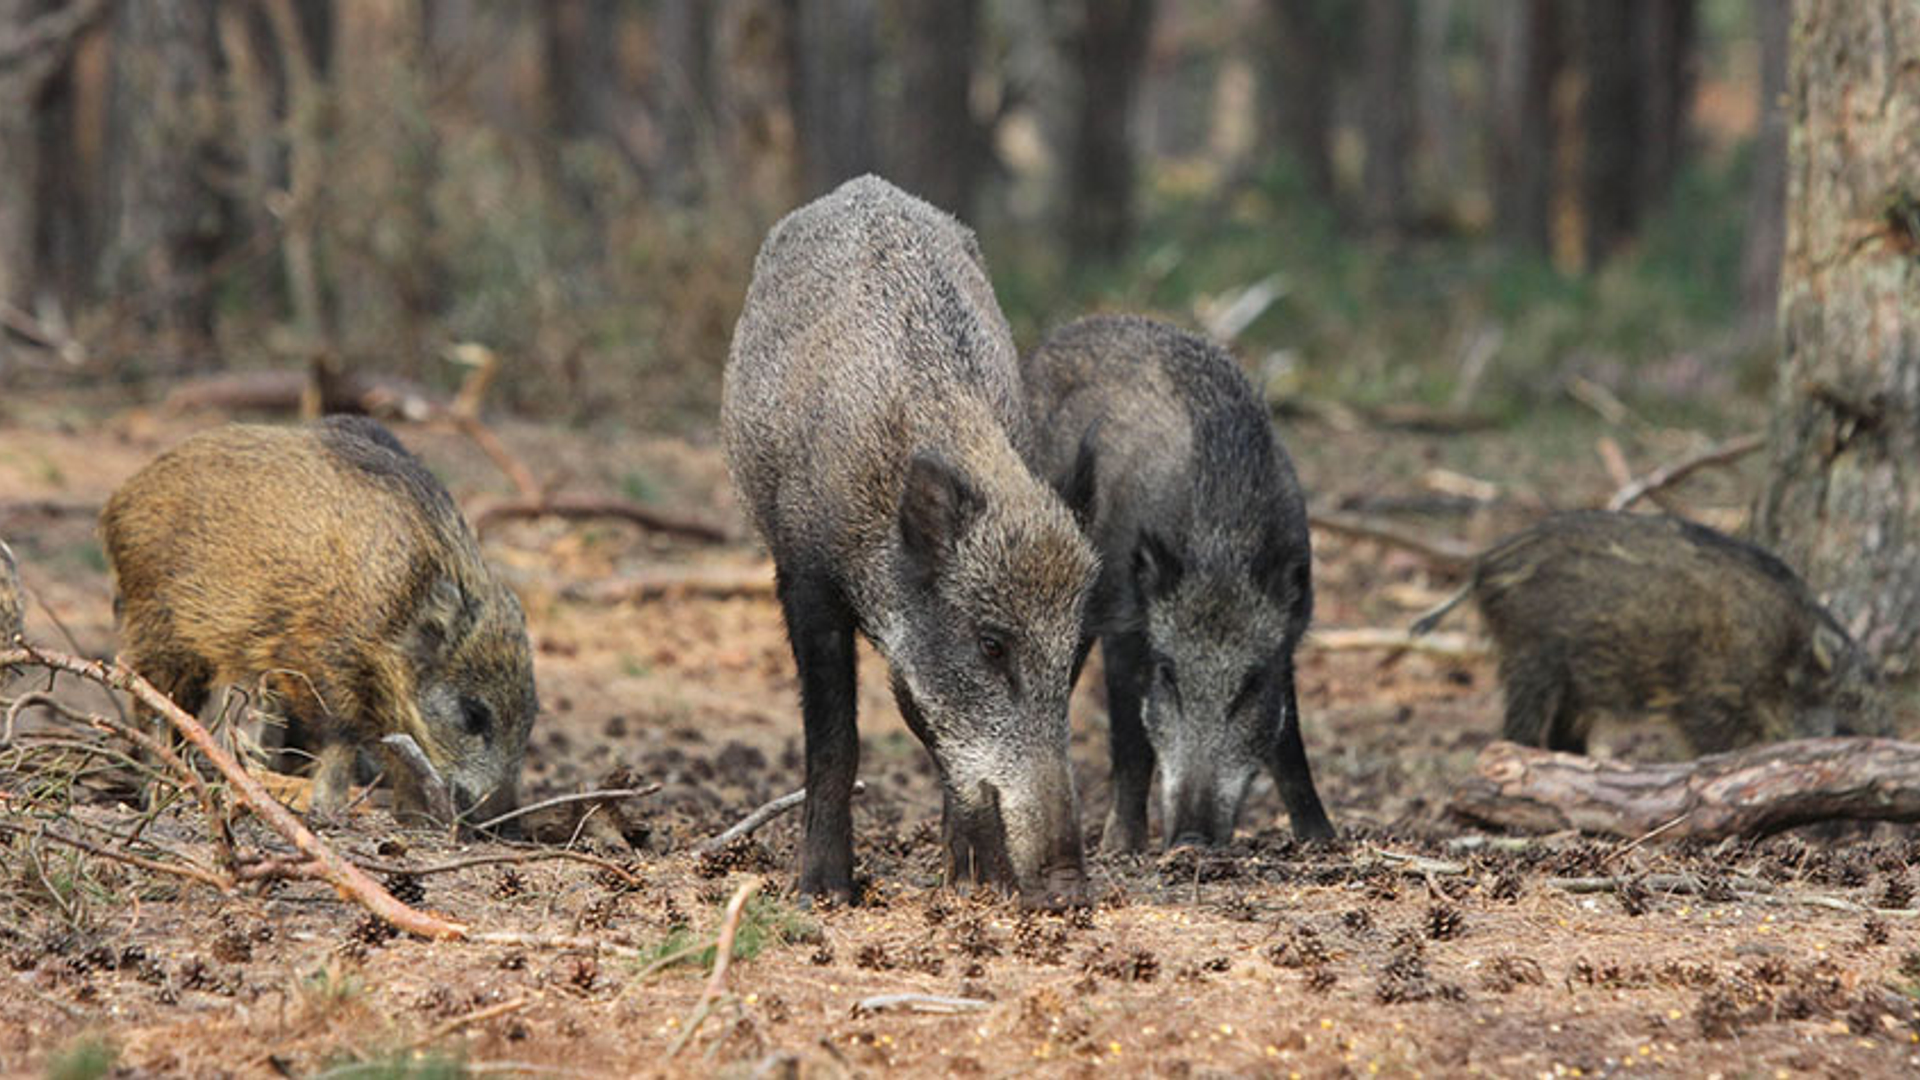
(1453, 646)
(711, 582)
(722, 958)
(607, 795)
(322, 861)
(579, 507)
(769, 810)
(1748, 792)
(1738, 884)
(1447, 554)
(1668, 475)
(923, 1003)
(517, 859)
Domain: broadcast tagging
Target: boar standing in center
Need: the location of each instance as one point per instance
(1205, 584)
(873, 425)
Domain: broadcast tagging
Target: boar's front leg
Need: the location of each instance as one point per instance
(820, 628)
(1290, 771)
(1128, 667)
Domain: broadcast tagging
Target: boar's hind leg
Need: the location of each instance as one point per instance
(1293, 777)
(820, 628)
(1125, 658)
(1538, 710)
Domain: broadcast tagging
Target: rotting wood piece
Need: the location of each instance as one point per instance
(1749, 792)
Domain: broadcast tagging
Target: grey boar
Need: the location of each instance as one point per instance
(874, 428)
(1629, 616)
(1205, 584)
(326, 565)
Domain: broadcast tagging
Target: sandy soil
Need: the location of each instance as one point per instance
(1265, 958)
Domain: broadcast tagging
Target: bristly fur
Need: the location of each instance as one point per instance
(874, 426)
(1598, 613)
(329, 562)
(1205, 587)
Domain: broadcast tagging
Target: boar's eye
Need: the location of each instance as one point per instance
(475, 716)
(1163, 671)
(993, 646)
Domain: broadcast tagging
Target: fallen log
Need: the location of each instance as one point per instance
(1445, 554)
(1751, 792)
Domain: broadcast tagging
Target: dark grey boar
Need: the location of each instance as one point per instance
(1205, 584)
(874, 428)
(328, 566)
(1608, 614)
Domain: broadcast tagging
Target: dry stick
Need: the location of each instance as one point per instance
(519, 859)
(522, 477)
(431, 783)
(575, 507)
(767, 812)
(324, 862)
(1668, 475)
(1454, 646)
(604, 795)
(1448, 554)
(722, 956)
(925, 1003)
(185, 870)
(714, 582)
(491, 1012)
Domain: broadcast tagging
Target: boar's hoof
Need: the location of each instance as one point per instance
(1059, 888)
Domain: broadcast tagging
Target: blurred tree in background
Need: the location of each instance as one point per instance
(1469, 201)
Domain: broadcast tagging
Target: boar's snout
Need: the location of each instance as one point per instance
(1200, 803)
(1027, 842)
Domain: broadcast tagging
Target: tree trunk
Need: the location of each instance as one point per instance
(834, 54)
(681, 93)
(1663, 42)
(581, 77)
(169, 222)
(1638, 59)
(937, 149)
(1299, 89)
(1109, 50)
(1842, 500)
(1751, 792)
(1386, 113)
(1767, 209)
(1527, 65)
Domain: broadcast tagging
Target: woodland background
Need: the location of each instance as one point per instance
(1471, 204)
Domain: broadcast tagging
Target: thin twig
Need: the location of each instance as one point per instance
(605, 795)
(924, 1003)
(577, 507)
(1668, 475)
(348, 880)
(521, 858)
(406, 751)
(190, 872)
(723, 955)
(1450, 646)
(477, 1016)
(767, 811)
(1448, 554)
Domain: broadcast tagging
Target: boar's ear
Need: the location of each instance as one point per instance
(438, 621)
(936, 507)
(1156, 568)
(1080, 489)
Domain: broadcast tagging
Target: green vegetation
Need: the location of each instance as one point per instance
(88, 1057)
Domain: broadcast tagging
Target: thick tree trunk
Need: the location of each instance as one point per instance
(1638, 57)
(169, 223)
(1299, 88)
(680, 92)
(36, 41)
(1527, 65)
(1842, 500)
(937, 152)
(1386, 113)
(835, 50)
(1745, 793)
(1767, 208)
(582, 79)
(1109, 50)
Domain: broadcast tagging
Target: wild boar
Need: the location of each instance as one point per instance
(1205, 585)
(1611, 614)
(327, 566)
(874, 428)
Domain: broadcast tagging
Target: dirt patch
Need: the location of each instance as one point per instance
(1405, 948)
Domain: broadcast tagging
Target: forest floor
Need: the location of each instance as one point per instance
(1264, 958)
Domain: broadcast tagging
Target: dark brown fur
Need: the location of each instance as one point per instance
(1631, 616)
(327, 566)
